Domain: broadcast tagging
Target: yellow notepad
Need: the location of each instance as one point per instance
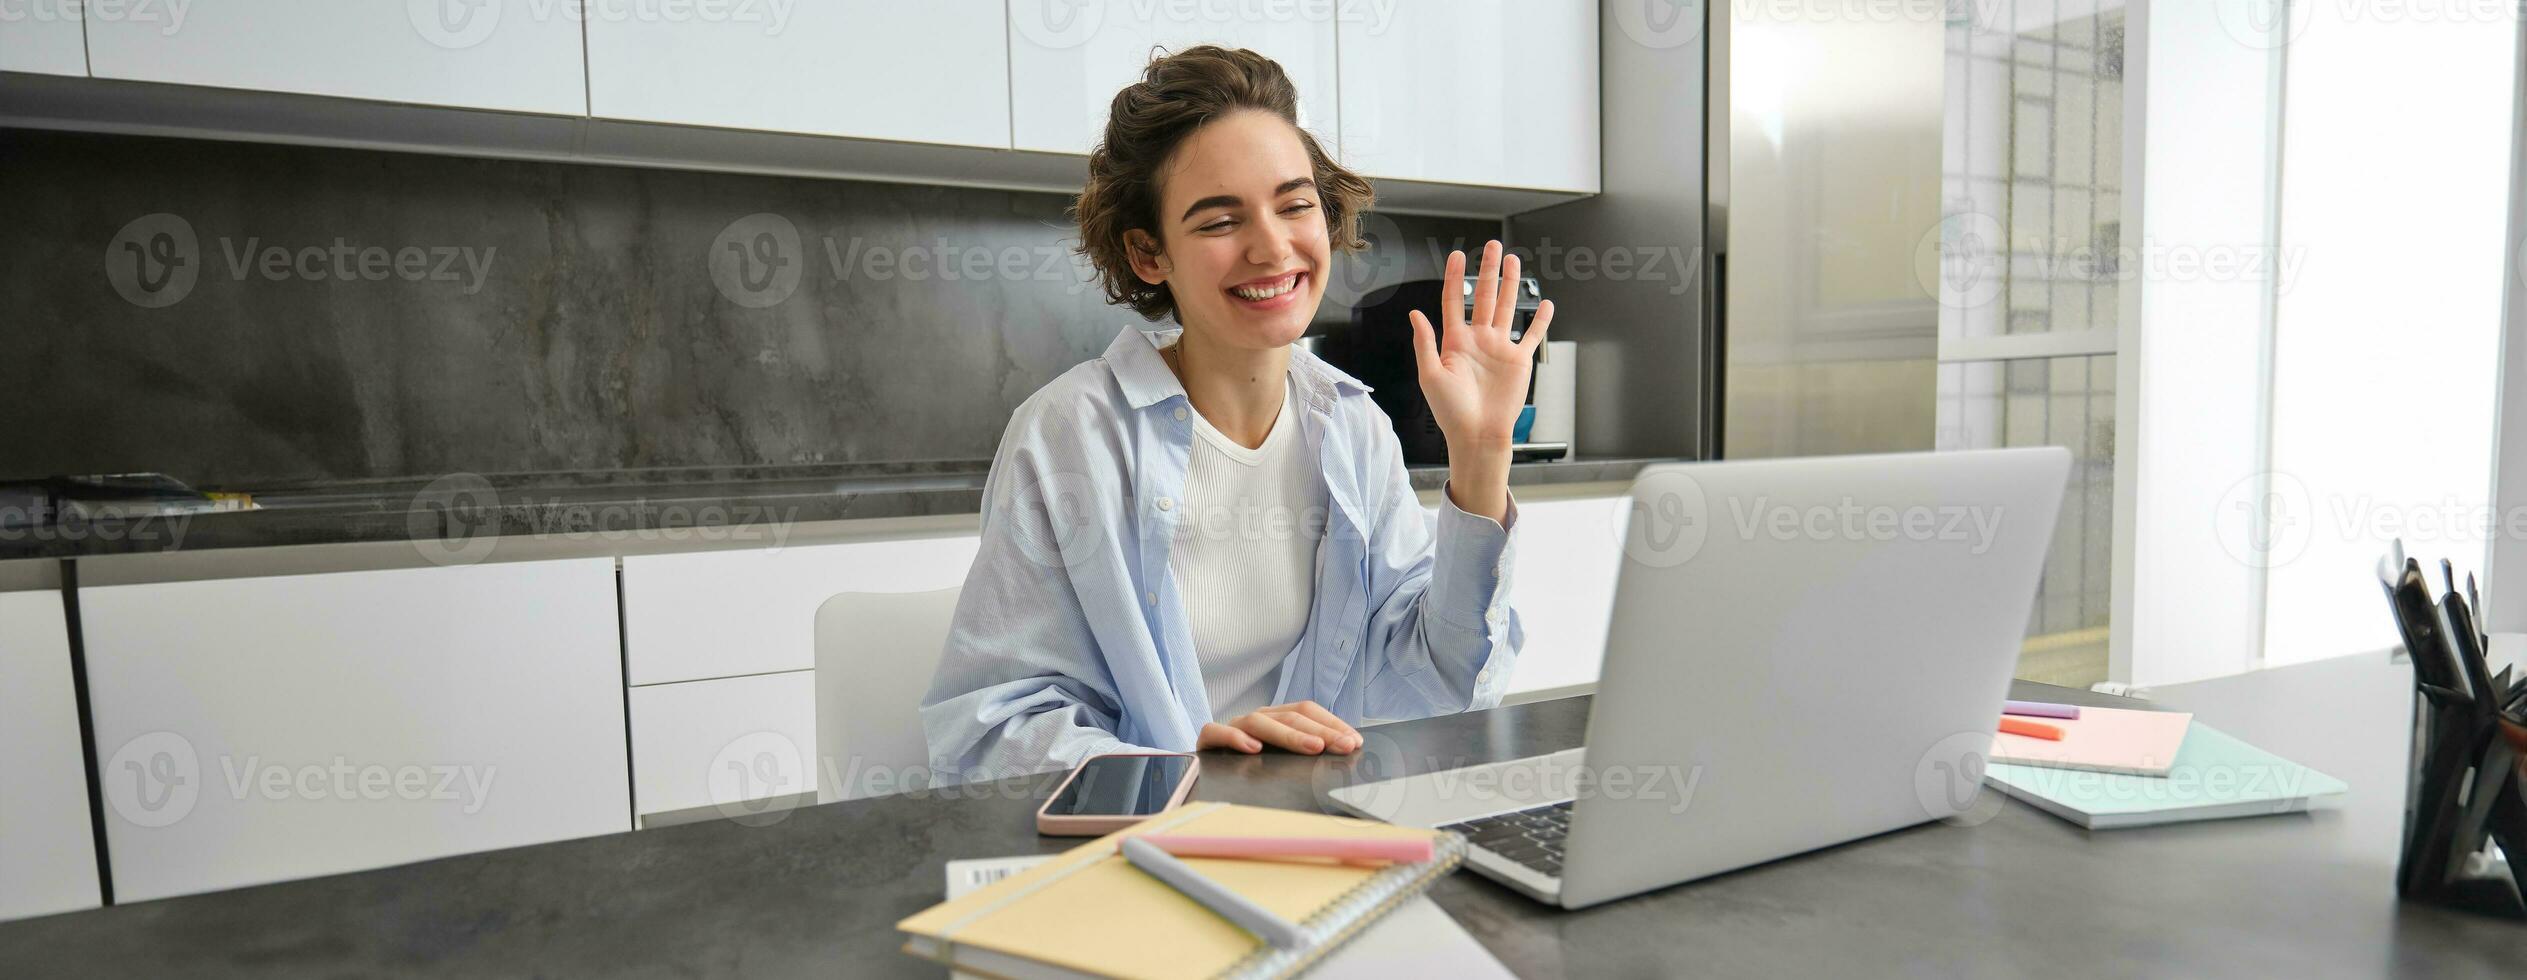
(1091, 912)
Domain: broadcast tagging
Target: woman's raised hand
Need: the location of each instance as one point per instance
(1473, 375)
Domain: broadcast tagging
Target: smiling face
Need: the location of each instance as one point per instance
(1242, 244)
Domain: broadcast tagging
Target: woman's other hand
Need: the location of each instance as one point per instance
(1304, 727)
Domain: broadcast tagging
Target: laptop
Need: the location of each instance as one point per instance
(1803, 652)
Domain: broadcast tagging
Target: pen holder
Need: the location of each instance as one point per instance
(2465, 798)
(2465, 820)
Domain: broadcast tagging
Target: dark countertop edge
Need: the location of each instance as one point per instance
(394, 510)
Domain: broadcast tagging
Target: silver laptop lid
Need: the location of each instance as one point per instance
(1803, 652)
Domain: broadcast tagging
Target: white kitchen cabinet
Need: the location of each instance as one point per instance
(511, 55)
(1068, 59)
(727, 613)
(930, 72)
(261, 729)
(48, 858)
(1563, 588)
(730, 743)
(1561, 582)
(1492, 92)
(45, 38)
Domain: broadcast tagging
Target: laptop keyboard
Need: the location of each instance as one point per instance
(1532, 837)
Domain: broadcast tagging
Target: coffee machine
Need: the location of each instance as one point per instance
(1377, 348)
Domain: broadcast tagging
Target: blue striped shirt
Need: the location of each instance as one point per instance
(1070, 639)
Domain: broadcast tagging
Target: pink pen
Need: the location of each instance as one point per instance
(1339, 848)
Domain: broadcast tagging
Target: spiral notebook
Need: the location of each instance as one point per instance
(1088, 912)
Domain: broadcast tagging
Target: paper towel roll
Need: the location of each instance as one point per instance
(1557, 388)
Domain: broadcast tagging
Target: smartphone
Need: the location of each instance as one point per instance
(1110, 792)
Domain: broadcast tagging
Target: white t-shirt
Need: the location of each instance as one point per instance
(1244, 556)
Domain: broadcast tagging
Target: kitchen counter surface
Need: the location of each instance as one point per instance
(2007, 891)
(465, 507)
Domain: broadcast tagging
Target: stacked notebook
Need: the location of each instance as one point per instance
(2116, 767)
(1089, 912)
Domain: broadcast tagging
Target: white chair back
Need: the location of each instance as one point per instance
(875, 652)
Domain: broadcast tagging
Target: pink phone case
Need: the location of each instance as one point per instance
(1081, 825)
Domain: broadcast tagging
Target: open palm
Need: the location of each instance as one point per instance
(1473, 375)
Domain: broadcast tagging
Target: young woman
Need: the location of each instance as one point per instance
(1206, 538)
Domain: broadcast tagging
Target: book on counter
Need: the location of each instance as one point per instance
(2212, 775)
(1089, 912)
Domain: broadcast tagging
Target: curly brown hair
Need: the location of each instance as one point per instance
(1176, 95)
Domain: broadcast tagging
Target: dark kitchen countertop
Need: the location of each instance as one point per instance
(464, 507)
(2011, 892)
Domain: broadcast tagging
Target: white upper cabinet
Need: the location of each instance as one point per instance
(1493, 92)
(263, 729)
(511, 55)
(935, 71)
(42, 37)
(1068, 58)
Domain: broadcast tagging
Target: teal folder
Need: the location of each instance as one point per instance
(2215, 776)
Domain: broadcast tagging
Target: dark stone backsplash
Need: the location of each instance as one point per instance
(344, 314)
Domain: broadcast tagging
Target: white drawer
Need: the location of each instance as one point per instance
(729, 613)
(724, 742)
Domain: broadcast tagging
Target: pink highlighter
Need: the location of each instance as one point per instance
(1400, 849)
